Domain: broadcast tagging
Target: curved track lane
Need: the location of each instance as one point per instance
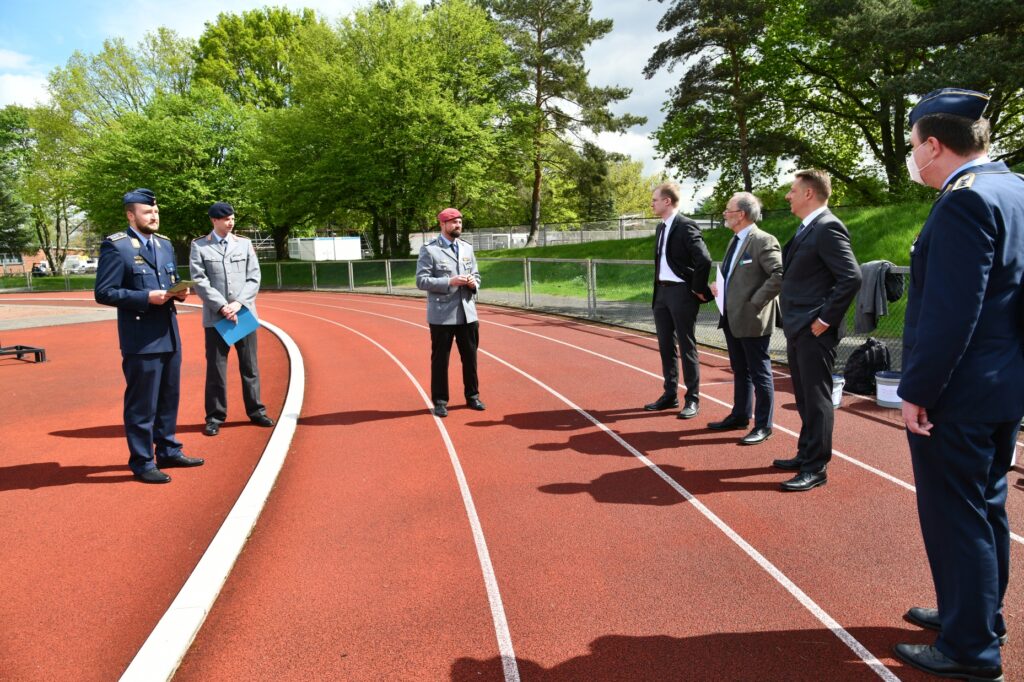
(364, 565)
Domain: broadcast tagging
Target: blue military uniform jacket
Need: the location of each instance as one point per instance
(125, 275)
(963, 348)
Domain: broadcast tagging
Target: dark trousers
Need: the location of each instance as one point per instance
(152, 390)
(811, 361)
(960, 474)
(675, 318)
(751, 376)
(217, 380)
(467, 338)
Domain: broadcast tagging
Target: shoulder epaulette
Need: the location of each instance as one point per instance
(964, 182)
(116, 236)
(160, 236)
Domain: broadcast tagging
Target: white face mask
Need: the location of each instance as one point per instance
(913, 169)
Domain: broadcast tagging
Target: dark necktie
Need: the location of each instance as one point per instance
(727, 261)
(151, 251)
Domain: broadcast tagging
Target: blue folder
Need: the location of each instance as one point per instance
(231, 332)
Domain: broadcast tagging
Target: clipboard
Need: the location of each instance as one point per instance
(232, 331)
(181, 286)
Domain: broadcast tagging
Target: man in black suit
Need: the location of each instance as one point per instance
(681, 267)
(820, 278)
(963, 380)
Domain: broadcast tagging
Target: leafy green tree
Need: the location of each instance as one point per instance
(191, 150)
(98, 89)
(410, 98)
(250, 55)
(719, 117)
(630, 188)
(555, 101)
(15, 230)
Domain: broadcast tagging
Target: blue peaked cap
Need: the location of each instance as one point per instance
(140, 196)
(955, 101)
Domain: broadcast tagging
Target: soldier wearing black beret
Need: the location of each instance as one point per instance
(135, 270)
(963, 380)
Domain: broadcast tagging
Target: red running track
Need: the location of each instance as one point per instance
(364, 565)
(90, 558)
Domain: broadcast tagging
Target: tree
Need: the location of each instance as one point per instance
(250, 55)
(191, 150)
(411, 98)
(630, 188)
(556, 102)
(720, 116)
(15, 231)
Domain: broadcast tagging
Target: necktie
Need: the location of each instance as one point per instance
(729, 253)
(151, 251)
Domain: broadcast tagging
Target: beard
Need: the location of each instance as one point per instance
(455, 233)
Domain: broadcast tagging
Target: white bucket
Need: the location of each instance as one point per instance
(837, 389)
(886, 384)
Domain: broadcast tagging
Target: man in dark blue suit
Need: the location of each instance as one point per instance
(820, 277)
(136, 268)
(963, 380)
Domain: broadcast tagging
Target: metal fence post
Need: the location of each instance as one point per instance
(351, 278)
(526, 284)
(28, 279)
(278, 268)
(67, 282)
(312, 267)
(387, 274)
(591, 290)
(622, 228)
(529, 283)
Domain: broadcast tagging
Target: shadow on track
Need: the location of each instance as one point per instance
(362, 416)
(811, 655)
(641, 486)
(49, 474)
(117, 430)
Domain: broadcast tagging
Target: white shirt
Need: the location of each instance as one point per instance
(811, 216)
(741, 238)
(665, 273)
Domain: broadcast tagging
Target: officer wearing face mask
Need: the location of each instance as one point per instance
(963, 380)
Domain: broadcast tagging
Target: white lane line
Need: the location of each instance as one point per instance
(823, 617)
(167, 644)
(856, 462)
(508, 656)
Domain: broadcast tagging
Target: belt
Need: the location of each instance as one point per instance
(669, 284)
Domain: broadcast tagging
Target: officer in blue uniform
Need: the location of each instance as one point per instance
(136, 268)
(963, 380)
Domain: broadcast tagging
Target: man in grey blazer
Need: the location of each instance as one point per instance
(227, 277)
(752, 273)
(447, 271)
(819, 280)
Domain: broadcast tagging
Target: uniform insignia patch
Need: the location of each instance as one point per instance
(160, 236)
(135, 243)
(116, 236)
(964, 182)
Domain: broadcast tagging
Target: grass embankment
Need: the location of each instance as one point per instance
(877, 233)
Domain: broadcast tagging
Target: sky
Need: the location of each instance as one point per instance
(38, 35)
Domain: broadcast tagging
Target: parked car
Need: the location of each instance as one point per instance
(89, 267)
(41, 269)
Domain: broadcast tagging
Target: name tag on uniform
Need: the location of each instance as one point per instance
(139, 259)
(466, 261)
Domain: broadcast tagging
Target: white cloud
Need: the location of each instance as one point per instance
(13, 61)
(26, 90)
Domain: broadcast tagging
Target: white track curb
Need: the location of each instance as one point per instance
(167, 645)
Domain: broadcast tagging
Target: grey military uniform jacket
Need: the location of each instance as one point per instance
(224, 274)
(447, 304)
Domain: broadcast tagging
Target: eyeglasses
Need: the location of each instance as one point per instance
(735, 210)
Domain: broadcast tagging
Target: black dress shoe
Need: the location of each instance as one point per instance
(929, 659)
(211, 429)
(440, 409)
(729, 423)
(665, 402)
(179, 461)
(787, 464)
(689, 410)
(805, 480)
(262, 420)
(475, 404)
(929, 618)
(758, 435)
(153, 476)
